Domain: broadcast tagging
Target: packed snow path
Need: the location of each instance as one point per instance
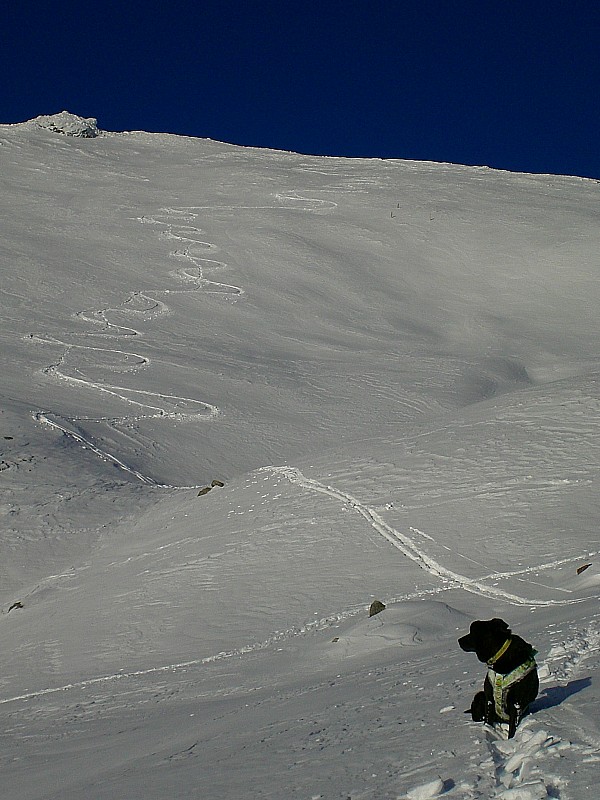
(407, 546)
(566, 655)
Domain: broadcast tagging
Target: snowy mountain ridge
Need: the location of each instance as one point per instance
(382, 376)
(68, 124)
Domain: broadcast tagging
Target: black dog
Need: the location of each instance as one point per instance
(511, 683)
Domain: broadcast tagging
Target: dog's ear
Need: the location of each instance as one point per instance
(500, 625)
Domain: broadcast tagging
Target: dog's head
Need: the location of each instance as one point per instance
(485, 638)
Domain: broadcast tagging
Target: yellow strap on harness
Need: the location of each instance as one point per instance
(500, 653)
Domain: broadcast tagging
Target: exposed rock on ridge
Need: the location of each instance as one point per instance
(69, 124)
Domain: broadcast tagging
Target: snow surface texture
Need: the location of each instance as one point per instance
(392, 368)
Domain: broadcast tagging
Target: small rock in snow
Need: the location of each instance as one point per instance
(426, 790)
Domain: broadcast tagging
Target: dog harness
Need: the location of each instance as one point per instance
(501, 683)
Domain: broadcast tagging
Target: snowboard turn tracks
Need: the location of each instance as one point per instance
(77, 360)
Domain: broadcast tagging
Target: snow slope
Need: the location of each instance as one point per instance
(392, 368)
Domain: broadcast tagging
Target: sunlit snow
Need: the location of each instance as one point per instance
(244, 394)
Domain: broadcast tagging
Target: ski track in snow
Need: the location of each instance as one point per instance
(510, 769)
(408, 547)
(277, 637)
(571, 652)
(177, 225)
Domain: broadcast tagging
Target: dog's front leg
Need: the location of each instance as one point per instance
(489, 714)
(514, 717)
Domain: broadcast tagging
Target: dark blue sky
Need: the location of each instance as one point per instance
(513, 84)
